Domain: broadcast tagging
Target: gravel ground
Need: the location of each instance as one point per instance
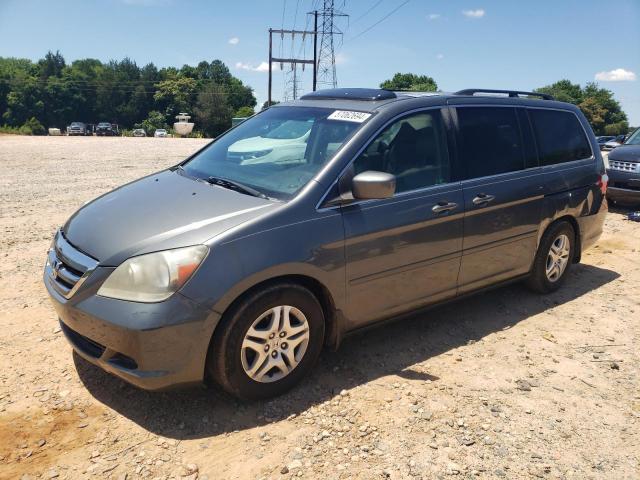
(507, 384)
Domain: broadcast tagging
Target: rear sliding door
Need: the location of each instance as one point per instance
(503, 194)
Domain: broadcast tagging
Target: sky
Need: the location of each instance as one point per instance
(509, 44)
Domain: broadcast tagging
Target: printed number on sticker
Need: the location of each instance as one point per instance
(349, 116)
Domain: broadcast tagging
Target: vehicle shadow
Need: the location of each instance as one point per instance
(392, 349)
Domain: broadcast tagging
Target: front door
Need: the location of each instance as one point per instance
(404, 252)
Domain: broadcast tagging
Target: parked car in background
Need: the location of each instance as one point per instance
(160, 133)
(240, 272)
(106, 129)
(77, 129)
(139, 132)
(616, 142)
(624, 172)
(604, 139)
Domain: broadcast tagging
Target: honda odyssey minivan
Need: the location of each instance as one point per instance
(240, 272)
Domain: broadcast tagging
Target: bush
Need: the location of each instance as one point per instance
(26, 129)
(34, 126)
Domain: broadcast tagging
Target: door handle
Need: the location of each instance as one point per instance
(483, 199)
(443, 207)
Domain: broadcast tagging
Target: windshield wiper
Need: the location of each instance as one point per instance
(238, 187)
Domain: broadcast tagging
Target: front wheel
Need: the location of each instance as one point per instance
(268, 342)
(553, 259)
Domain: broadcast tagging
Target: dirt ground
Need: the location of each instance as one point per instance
(507, 384)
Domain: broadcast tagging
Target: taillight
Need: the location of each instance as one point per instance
(602, 183)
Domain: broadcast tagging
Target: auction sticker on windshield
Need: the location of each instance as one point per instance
(349, 116)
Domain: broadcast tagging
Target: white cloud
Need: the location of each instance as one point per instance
(234, 41)
(433, 16)
(617, 75)
(440, 56)
(263, 67)
(341, 59)
(478, 13)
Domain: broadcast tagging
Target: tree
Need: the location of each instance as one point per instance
(563, 91)
(602, 110)
(88, 90)
(154, 121)
(212, 111)
(244, 112)
(175, 95)
(411, 82)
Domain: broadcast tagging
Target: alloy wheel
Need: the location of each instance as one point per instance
(558, 257)
(274, 344)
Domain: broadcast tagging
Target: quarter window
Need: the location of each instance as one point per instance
(414, 149)
(490, 141)
(560, 136)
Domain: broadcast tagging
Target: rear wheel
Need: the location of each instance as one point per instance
(553, 259)
(268, 342)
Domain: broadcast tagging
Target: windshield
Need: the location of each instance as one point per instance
(77, 124)
(251, 154)
(104, 124)
(634, 139)
(290, 129)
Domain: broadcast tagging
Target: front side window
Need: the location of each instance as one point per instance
(560, 136)
(634, 139)
(414, 149)
(276, 152)
(490, 142)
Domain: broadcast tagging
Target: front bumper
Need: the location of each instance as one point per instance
(624, 187)
(154, 346)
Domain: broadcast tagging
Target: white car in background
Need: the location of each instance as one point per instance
(160, 133)
(284, 144)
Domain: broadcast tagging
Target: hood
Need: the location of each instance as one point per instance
(158, 212)
(626, 153)
(256, 144)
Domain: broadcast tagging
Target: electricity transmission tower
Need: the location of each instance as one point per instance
(328, 31)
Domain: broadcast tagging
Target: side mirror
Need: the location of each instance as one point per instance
(372, 185)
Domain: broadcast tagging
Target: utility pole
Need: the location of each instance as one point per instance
(292, 61)
(326, 61)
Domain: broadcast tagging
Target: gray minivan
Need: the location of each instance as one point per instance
(318, 217)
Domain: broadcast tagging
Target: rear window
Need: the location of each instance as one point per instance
(560, 136)
(490, 141)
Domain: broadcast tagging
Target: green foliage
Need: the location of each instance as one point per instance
(31, 127)
(602, 110)
(265, 105)
(212, 111)
(55, 93)
(243, 112)
(410, 82)
(35, 126)
(154, 121)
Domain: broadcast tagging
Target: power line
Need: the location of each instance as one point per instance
(368, 11)
(379, 21)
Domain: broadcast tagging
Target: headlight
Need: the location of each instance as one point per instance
(153, 277)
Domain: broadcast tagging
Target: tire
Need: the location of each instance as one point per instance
(231, 357)
(539, 279)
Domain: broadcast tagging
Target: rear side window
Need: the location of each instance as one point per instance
(560, 136)
(490, 141)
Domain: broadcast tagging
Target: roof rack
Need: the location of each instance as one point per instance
(350, 94)
(510, 93)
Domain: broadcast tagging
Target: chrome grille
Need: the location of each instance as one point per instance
(67, 268)
(624, 166)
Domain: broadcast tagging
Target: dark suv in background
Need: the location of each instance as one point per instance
(78, 129)
(106, 129)
(624, 172)
(239, 268)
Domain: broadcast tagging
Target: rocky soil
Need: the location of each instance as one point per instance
(507, 384)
